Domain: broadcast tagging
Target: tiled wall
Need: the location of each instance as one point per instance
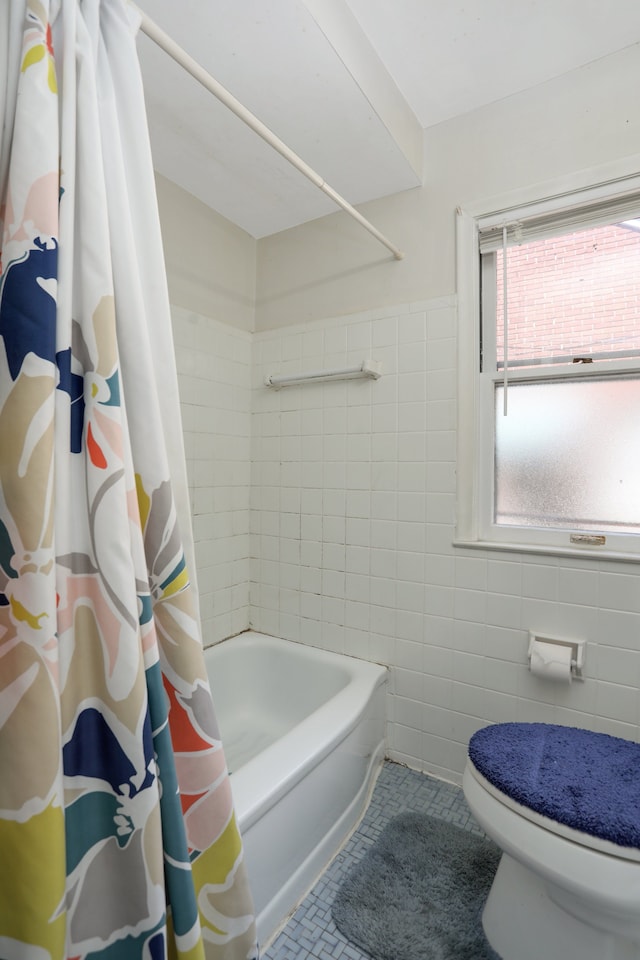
(352, 494)
(214, 376)
(353, 499)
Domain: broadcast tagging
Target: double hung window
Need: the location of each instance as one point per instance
(549, 444)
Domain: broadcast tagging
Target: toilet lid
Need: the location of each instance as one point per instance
(590, 782)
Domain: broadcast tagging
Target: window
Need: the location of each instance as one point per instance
(549, 342)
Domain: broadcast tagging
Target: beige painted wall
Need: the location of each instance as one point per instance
(211, 263)
(331, 267)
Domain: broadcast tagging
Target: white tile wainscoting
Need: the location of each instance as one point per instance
(214, 378)
(352, 493)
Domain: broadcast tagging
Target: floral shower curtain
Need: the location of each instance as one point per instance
(117, 834)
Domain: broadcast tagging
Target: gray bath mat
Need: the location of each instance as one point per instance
(418, 893)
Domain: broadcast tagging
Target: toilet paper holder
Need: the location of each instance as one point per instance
(578, 650)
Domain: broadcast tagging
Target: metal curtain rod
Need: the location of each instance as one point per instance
(164, 41)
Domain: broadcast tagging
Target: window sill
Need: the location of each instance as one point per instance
(586, 552)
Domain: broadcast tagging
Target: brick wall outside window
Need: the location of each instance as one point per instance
(572, 295)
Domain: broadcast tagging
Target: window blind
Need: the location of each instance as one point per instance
(538, 225)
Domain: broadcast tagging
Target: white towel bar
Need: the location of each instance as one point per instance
(371, 369)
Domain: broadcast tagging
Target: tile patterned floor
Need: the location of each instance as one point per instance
(311, 933)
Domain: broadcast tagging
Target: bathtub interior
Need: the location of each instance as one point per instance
(261, 692)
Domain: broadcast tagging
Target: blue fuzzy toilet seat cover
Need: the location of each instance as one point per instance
(584, 780)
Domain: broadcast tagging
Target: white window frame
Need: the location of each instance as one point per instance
(475, 437)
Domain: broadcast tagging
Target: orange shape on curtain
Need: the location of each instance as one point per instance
(184, 736)
(98, 458)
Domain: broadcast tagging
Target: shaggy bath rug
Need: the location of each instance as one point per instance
(418, 893)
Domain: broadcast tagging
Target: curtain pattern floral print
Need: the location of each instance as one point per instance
(118, 838)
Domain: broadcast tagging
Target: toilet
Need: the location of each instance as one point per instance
(563, 804)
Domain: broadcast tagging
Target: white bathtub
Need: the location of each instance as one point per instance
(304, 736)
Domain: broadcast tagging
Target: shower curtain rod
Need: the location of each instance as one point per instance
(165, 42)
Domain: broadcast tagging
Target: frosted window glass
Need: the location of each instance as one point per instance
(568, 454)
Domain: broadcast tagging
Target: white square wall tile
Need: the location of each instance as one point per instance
(470, 605)
(412, 328)
(540, 580)
(384, 505)
(408, 683)
(357, 616)
(441, 478)
(357, 587)
(578, 586)
(357, 559)
(384, 331)
(501, 708)
(469, 635)
(438, 631)
(469, 699)
(313, 343)
(441, 508)
(438, 569)
(441, 415)
(409, 625)
(504, 576)
(500, 676)
(358, 419)
(408, 655)
(384, 418)
(441, 445)
(410, 596)
(359, 337)
(437, 692)
(471, 572)
(333, 558)
(358, 450)
(291, 347)
(441, 354)
(617, 591)
(503, 643)
(412, 387)
(383, 564)
(468, 668)
(614, 701)
(410, 566)
(384, 534)
(576, 621)
(411, 358)
(335, 340)
(441, 323)
(405, 744)
(412, 477)
(412, 417)
(618, 628)
(408, 712)
(357, 527)
(357, 643)
(438, 600)
(504, 610)
(614, 664)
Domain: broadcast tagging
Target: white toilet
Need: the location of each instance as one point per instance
(564, 806)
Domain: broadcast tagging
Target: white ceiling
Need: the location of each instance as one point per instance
(348, 85)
